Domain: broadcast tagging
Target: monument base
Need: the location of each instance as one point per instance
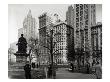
(21, 59)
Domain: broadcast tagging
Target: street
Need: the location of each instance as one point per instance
(61, 73)
(16, 75)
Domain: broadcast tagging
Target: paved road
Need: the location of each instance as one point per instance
(63, 73)
(16, 75)
(19, 73)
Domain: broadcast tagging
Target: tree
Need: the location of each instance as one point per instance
(50, 43)
(32, 48)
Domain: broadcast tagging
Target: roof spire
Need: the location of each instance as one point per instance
(29, 13)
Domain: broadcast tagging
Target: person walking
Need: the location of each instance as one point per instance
(72, 67)
(33, 65)
(54, 70)
(48, 72)
(27, 69)
(37, 65)
(88, 67)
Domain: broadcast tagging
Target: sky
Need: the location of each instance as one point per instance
(17, 13)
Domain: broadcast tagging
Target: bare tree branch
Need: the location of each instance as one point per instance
(44, 46)
(46, 35)
(57, 34)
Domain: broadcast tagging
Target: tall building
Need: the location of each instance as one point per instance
(84, 19)
(70, 21)
(45, 23)
(70, 16)
(29, 26)
(64, 42)
(96, 40)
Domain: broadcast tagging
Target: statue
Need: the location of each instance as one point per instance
(22, 44)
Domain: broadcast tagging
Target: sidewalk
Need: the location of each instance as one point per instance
(64, 74)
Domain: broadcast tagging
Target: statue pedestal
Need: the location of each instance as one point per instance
(21, 59)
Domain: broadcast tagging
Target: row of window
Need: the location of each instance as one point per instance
(61, 44)
(61, 29)
(60, 39)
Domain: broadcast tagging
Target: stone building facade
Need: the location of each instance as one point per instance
(96, 40)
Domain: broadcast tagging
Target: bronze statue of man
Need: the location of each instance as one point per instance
(22, 44)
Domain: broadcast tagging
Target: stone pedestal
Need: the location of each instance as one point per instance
(21, 59)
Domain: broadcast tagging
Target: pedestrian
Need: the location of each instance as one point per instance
(48, 72)
(93, 63)
(27, 69)
(45, 70)
(72, 67)
(88, 66)
(33, 65)
(37, 65)
(54, 72)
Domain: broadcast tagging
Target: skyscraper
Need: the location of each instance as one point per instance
(64, 43)
(29, 26)
(84, 18)
(70, 16)
(45, 22)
